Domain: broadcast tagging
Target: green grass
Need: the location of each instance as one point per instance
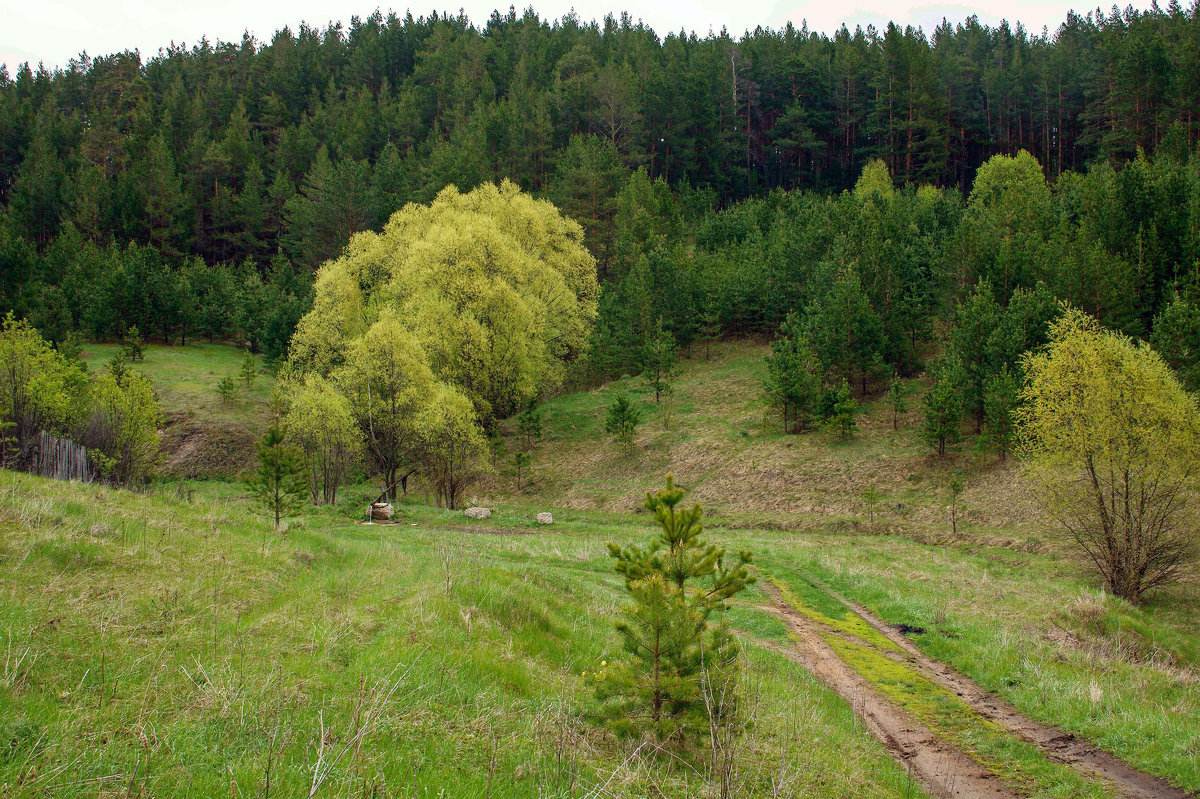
(205, 436)
(1029, 628)
(171, 644)
(186, 379)
(182, 637)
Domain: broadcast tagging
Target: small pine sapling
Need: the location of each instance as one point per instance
(660, 362)
(622, 421)
(843, 412)
(897, 402)
(133, 345)
(118, 366)
(495, 446)
(956, 488)
(871, 499)
(710, 331)
(281, 482)
(249, 369)
(227, 387)
(673, 630)
(529, 424)
(521, 460)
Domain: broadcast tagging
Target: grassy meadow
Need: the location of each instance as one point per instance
(174, 645)
(170, 643)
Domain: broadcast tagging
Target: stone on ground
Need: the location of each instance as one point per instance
(477, 513)
(545, 518)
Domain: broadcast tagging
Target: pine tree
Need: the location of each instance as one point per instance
(944, 406)
(999, 403)
(677, 586)
(710, 330)
(227, 388)
(897, 402)
(521, 461)
(249, 369)
(622, 420)
(956, 488)
(660, 361)
(281, 482)
(793, 381)
(495, 443)
(844, 408)
(133, 345)
(529, 423)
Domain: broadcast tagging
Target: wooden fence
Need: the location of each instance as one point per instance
(61, 459)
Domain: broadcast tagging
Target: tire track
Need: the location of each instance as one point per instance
(944, 770)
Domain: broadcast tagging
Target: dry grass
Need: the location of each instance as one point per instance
(726, 446)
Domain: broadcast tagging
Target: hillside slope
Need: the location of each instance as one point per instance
(204, 436)
(728, 448)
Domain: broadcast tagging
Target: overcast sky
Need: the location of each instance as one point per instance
(54, 31)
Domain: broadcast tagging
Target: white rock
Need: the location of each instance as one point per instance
(545, 518)
(382, 512)
(477, 513)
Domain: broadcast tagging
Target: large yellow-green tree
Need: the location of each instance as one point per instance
(494, 287)
(1112, 447)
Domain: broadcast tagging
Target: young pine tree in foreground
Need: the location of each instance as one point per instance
(281, 482)
(673, 629)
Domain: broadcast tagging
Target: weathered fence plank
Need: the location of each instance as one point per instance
(61, 459)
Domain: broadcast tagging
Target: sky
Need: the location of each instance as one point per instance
(55, 31)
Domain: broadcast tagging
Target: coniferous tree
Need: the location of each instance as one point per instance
(793, 381)
(1000, 396)
(843, 411)
(660, 361)
(622, 421)
(249, 368)
(673, 630)
(944, 405)
(281, 481)
(529, 424)
(897, 401)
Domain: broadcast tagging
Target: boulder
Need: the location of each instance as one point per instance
(477, 513)
(382, 511)
(545, 518)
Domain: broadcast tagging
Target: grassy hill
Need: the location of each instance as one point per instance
(172, 644)
(725, 444)
(204, 435)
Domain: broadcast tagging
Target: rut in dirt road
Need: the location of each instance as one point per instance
(1057, 744)
(943, 770)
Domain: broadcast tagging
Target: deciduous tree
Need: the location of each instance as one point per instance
(1111, 443)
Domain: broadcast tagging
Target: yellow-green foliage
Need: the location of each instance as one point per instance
(495, 286)
(1112, 444)
(451, 442)
(124, 425)
(874, 183)
(321, 422)
(39, 389)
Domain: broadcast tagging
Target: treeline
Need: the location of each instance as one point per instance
(83, 289)
(245, 152)
(875, 280)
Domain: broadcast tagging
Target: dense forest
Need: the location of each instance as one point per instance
(194, 193)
